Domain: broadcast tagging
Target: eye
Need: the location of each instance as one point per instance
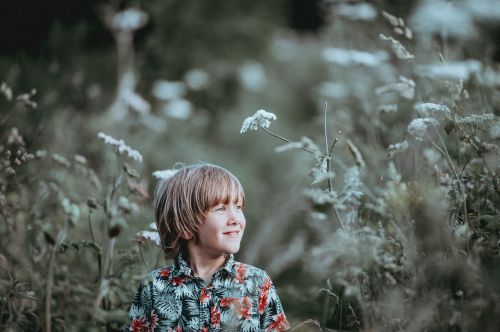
(220, 208)
(239, 206)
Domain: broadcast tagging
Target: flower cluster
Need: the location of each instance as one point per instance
(122, 147)
(418, 127)
(261, 118)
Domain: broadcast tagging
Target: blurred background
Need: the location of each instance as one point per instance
(351, 235)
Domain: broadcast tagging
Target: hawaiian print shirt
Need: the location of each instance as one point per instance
(240, 297)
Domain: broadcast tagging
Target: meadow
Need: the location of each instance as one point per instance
(368, 148)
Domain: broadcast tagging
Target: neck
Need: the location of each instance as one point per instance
(205, 267)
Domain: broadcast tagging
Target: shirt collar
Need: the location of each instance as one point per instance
(182, 267)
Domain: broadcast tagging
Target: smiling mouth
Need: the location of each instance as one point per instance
(232, 233)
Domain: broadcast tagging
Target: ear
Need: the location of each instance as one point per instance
(186, 236)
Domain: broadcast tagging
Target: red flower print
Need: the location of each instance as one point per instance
(215, 317)
(204, 329)
(262, 302)
(263, 295)
(178, 281)
(154, 320)
(204, 295)
(165, 272)
(243, 308)
(241, 272)
(226, 301)
(177, 329)
(139, 325)
(279, 324)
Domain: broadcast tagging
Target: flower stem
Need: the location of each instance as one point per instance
(286, 140)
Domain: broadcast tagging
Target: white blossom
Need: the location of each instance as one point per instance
(168, 90)
(261, 118)
(164, 174)
(432, 109)
(135, 101)
(150, 235)
(180, 109)
(357, 11)
(347, 57)
(129, 20)
(333, 90)
(352, 191)
(121, 146)
(196, 79)
(460, 70)
(389, 108)
(397, 148)
(253, 76)
(418, 127)
(398, 49)
(476, 118)
(495, 130)
(405, 88)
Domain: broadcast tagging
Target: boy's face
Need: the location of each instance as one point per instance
(221, 232)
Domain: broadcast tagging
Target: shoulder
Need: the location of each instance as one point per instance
(248, 271)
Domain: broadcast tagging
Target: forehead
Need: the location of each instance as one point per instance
(224, 190)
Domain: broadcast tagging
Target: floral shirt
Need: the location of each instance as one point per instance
(240, 297)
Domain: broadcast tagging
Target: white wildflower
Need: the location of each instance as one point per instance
(167, 90)
(333, 90)
(405, 88)
(196, 79)
(347, 57)
(129, 20)
(357, 11)
(392, 172)
(318, 215)
(495, 130)
(253, 76)
(6, 91)
(476, 118)
(135, 101)
(418, 127)
(352, 191)
(397, 148)
(164, 174)
(462, 70)
(389, 108)
(261, 118)
(432, 109)
(398, 25)
(320, 196)
(121, 146)
(431, 155)
(151, 236)
(180, 109)
(398, 49)
(443, 18)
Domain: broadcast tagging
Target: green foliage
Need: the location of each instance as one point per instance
(396, 229)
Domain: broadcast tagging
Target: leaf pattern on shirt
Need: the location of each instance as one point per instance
(240, 297)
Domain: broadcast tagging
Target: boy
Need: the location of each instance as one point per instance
(200, 221)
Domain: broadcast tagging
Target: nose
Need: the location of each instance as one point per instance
(233, 215)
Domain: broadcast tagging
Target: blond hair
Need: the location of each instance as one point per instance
(182, 201)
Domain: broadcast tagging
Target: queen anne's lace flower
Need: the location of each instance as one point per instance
(418, 127)
(430, 109)
(261, 118)
(164, 174)
(122, 147)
